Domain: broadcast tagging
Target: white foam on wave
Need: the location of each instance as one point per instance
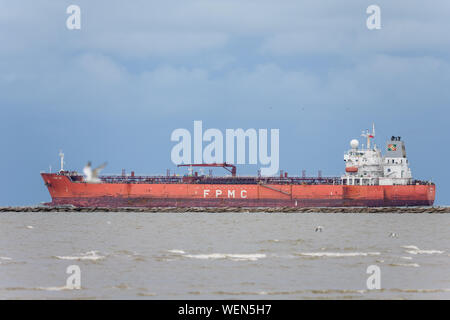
(231, 256)
(410, 247)
(416, 250)
(425, 252)
(55, 288)
(90, 255)
(415, 265)
(5, 258)
(338, 254)
(296, 292)
(176, 251)
(421, 290)
(41, 288)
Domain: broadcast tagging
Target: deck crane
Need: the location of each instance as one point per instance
(224, 165)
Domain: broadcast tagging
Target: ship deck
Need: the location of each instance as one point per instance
(240, 180)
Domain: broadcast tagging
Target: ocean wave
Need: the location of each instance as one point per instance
(337, 254)
(176, 251)
(131, 254)
(144, 294)
(415, 265)
(90, 255)
(287, 241)
(122, 286)
(421, 290)
(55, 288)
(327, 292)
(410, 247)
(231, 256)
(62, 288)
(293, 292)
(416, 250)
(124, 252)
(269, 241)
(240, 293)
(5, 260)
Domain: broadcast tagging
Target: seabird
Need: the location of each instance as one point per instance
(393, 235)
(91, 175)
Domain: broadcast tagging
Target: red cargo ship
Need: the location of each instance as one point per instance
(370, 180)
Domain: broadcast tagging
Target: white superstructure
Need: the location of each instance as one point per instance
(367, 166)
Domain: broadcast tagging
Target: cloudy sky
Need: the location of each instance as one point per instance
(116, 89)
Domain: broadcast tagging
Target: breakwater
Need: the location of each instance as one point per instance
(233, 209)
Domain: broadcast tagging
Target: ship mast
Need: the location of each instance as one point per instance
(61, 155)
(369, 135)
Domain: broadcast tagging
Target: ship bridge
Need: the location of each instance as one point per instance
(367, 166)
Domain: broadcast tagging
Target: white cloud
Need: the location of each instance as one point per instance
(101, 68)
(144, 44)
(202, 55)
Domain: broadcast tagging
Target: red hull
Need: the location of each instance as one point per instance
(64, 191)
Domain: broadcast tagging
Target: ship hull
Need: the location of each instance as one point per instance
(66, 192)
(116, 202)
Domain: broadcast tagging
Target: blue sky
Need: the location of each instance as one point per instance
(116, 89)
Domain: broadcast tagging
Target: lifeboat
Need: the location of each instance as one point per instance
(351, 169)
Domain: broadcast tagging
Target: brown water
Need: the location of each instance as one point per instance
(224, 255)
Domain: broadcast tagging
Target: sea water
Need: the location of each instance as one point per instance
(129, 255)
